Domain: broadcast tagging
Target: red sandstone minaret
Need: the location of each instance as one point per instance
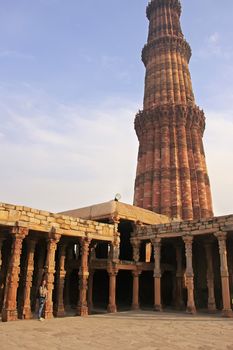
(171, 175)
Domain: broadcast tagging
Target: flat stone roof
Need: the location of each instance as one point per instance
(43, 221)
(118, 209)
(192, 227)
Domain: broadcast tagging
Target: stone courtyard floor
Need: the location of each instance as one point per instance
(144, 330)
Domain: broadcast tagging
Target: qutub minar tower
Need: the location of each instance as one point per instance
(171, 175)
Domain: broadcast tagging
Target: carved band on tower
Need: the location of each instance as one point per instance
(171, 174)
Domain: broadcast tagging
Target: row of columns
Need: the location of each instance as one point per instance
(112, 273)
(10, 310)
(189, 274)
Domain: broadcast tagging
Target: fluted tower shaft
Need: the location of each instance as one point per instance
(171, 174)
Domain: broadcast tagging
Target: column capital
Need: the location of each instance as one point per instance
(114, 219)
(220, 235)
(53, 237)
(112, 270)
(156, 242)
(157, 274)
(19, 232)
(136, 273)
(188, 239)
(135, 241)
(85, 241)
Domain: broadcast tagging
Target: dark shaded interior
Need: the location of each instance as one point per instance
(124, 289)
(100, 289)
(146, 289)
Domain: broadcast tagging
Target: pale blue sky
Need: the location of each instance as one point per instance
(71, 81)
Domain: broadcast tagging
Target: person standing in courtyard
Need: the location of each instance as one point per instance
(43, 293)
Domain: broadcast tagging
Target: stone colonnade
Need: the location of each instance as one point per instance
(189, 273)
(18, 288)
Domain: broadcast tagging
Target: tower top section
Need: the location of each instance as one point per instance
(155, 4)
(166, 56)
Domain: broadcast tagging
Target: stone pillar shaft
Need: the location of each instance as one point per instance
(135, 301)
(50, 271)
(61, 275)
(227, 311)
(112, 291)
(191, 308)
(157, 274)
(83, 278)
(1, 273)
(26, 312)
(136, 249)
(9, 311)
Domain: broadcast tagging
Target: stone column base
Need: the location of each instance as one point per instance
(26, 314)
(48, 315)
(135, 307)
(227, 313)
(158, 308)
(112, 309)
(59, 313)
(82, 311)
(9, 315)
(212, 308)
(191, 310)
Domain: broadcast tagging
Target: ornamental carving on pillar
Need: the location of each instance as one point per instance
(188, 240)
(136, 249)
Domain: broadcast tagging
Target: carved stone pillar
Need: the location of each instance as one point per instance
(179, 302)
(210, 277)
(112, 291)
(1, 243)
(157, 274)
(1, 274)
(61, 275)
(227, 311)
(82, 309)
(26, 312)
(50, 271)
(9, 311)
(135, 301)
(115, 246)
(90, 291)
(191, 308)
(136, 249)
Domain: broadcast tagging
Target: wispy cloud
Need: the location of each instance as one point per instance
(68, 157)
(213, 46)
(219, 145)
(15, 54)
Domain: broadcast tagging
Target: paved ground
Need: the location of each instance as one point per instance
(125, 331)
